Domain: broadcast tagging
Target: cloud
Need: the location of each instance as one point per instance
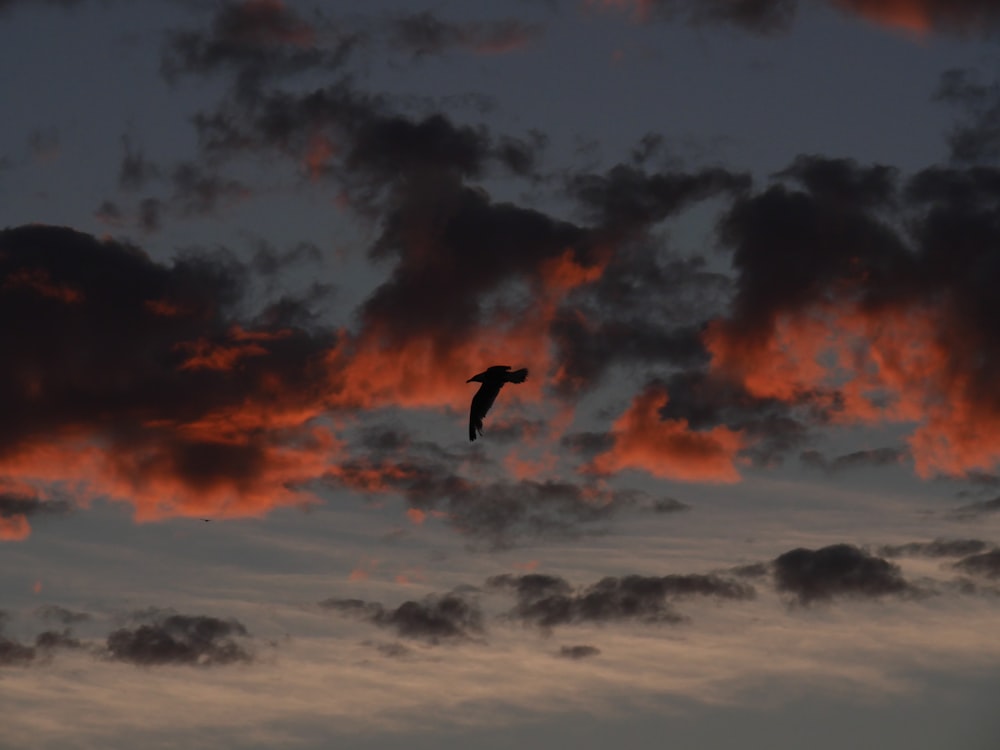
(61, 614)
(198, 192)
(548, 601)
(976, 136)
(257, 40)
(936, 548)
(16, 654)
(858, 459)
(499, 511)
(135, 171)
(576, 653)
(668, 448)
(984, 563)
(195, 640)
(840, 570)
(17, 506)
(759, 16)
(422, 34)
(974, 17)
(450, 617)
(769, 16)
(876, 322)
(135, 380)
(977, 509)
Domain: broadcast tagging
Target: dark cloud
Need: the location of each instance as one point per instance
(706, 401)
(26, 505)
(643, 311)
(587, 443)
(578, 652)
(858, 459)
(548, 601)
(984, 563)
(422, 34)
(17, 508)
(451, 617)
(50, 640)
(834, 277)
(393, 650)
(628, 197)
(936, 548)
(53, 612)
(198, 192)
(16, 654)
(135, 171)
(499, 512)
(976, 136)
(270, 261)
(195, 640)
(668, 505)
(836, 571)
(256, 40)
(531, 586)
(759, 16)
(150, 211)
(110, 214)
(974, 510)
(190, 416)
(964, 17)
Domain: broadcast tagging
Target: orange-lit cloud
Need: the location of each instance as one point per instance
(668, 448)
(14, 528)
(910, 15)
(38, 281)
(264, 22)
(905, 364)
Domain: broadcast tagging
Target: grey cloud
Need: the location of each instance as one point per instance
(450, 617)
(977, 509)
(53, 612)
(936, 548)
(887, 456)
(422, 34)
(195, 640)
(24, 505)
(548, 601)
(985, 564)
(837, 571)
(578, 652)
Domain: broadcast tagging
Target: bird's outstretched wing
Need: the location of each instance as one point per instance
(481, 404)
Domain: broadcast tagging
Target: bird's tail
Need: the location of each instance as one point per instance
(475, 426)
(518, 376)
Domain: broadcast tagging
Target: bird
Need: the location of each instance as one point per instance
(492, 379)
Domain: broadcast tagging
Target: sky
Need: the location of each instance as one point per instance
(252, 250)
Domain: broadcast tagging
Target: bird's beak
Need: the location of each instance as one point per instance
(470, 380)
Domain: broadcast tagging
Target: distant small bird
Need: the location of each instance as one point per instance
(492, 381)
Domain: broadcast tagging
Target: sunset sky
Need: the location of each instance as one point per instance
(252, 250)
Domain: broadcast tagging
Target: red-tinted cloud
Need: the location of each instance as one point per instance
(915, 16)
(921, 16)
(668, 448)
(129, 380)
(840, 314)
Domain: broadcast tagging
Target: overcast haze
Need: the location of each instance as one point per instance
(251, 252)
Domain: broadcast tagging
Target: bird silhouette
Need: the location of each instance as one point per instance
(492, 380)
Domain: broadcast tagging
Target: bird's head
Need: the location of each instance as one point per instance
(480, 378)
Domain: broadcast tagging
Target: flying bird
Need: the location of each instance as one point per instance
(492, 381)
